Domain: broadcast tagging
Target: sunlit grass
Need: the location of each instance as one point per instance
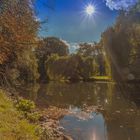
(12, 126)
(102, 78)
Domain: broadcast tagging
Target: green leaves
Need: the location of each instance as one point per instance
(25, 105)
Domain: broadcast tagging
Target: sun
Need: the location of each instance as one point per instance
(90, 9)
(90, 12)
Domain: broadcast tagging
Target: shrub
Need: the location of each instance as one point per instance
(33, 117)
(25, 105)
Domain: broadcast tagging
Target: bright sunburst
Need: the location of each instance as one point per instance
(90, 12)
(90, 9)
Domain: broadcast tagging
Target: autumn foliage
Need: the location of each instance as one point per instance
(18, 27)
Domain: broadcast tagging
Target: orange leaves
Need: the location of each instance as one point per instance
(18, 27)
(3, 57)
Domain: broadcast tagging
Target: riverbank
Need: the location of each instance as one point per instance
(20, 120)
(12, 124)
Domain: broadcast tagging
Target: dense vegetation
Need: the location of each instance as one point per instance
(122, 44)
(18, 32)
(71, 68)
(57, 64)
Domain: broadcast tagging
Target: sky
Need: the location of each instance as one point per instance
(69, 21)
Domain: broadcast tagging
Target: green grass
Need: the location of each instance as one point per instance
(101, 78)
(12, 124)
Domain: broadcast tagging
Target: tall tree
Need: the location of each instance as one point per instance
(18, 27)
(18, 30)
(96, 51)
(122, 45)
(47, 47)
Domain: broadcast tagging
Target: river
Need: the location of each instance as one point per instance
(117, 119)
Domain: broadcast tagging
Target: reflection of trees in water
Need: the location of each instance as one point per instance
(133, 91)
(30, 91)
(130, 92)
(123, 126)
(77, 94)
(122, 116)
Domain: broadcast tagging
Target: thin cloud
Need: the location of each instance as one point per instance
(120, 4)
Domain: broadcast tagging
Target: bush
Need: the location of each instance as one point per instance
(33, 117)
(25, 105)
(27, 109)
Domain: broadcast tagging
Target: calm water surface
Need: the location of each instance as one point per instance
(117, 119)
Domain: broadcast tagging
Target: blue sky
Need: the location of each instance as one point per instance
(69, 21)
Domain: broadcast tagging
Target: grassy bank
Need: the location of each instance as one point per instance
(12, 124)
(101, 78)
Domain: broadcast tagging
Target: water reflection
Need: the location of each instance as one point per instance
(92, 129)
(79, 94)
(119, 118)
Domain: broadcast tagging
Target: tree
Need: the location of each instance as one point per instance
(18, 28)
(96, 51)
(86, 67)
(62, 68)
(87, 49)
(18, 31)
(47, 47)
(73, 67)
(53, 45)
(122, 47)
